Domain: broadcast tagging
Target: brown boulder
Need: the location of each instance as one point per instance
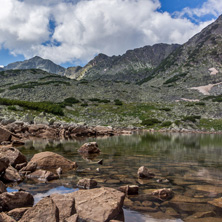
(89, 148)
(143, 172)
(13, 154)
(163, 194)
(4, 163)
(44, 210)
(104, 130)
(5, 135)
(2, 187)
(49, 160)
(10, 201)
(43, 175)
(87, 183)
(5, 218)
(20, 166)
(17, 213)
(216, 202)
(12, 175)
(100, 204)
(129, 189)
(65, 204)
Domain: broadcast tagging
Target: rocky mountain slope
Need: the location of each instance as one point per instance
(194, 70)
(132, 66)
(37, 63)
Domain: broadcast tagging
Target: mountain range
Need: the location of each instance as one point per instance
(161, 72)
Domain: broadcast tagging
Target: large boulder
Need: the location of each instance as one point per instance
(43, 175)
(143, 172)
(4, 163)
(51, 161)
(89, 148)
(2, 187)
(5, 135)
(13, 154)
(10, 201)
(100, 204)
(65, 204)
(44, 210)
(12, 175)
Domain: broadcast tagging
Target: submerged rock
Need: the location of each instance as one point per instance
(89, 148)
(10, 201)
(49, 160)
(87, 183)
(44, 210)
(143, 172)
(163, 194)
(129, 189)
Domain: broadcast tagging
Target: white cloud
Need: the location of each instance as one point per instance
(85, 28)
(210, 7)
(1, 66)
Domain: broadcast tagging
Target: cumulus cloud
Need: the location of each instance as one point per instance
(71, 30)
(210, 7)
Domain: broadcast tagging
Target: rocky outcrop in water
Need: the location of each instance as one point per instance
(89, 148)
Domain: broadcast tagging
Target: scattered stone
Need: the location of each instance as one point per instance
(87, 183)
(5, 218)
(12, 175)
(89, 148)
(43, 175)
(5, 135)
(65, 204)
(10, 201)
(44, 210)
(17, 213)
(59, 171)
(31, 167)
(13, 154)
(20, 166)
(129, 189)
(2, 187)
(98, 170)
(163, 194)
(143, 172)
(100, 204)
(162, 181)
(100, 162)
(49, 160)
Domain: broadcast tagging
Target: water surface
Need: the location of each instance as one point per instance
(191, 163)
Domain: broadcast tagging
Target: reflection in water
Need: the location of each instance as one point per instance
(191, 163)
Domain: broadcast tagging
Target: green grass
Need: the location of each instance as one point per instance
(208, 124)
(48, 107)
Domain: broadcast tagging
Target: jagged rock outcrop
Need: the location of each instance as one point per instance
(130, 67)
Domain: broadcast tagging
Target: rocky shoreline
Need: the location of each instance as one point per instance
(18, 132)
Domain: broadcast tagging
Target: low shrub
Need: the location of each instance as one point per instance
(166, 124)
(118, 102)
(150, 122)
(191, 118)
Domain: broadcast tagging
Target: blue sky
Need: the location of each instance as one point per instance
(71, 32)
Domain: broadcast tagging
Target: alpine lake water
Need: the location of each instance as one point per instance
(189, 164)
